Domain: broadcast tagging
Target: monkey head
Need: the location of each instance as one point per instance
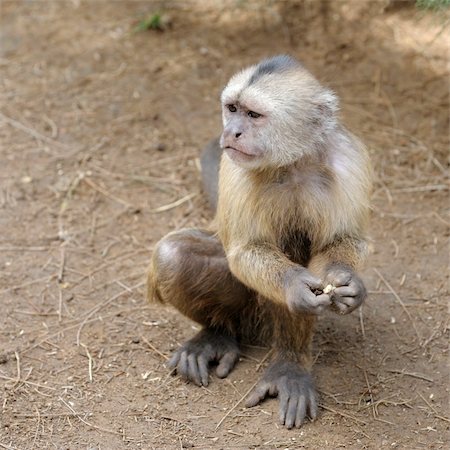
(275, 113)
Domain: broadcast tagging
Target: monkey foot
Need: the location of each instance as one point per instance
(192, 360)
(295, 389)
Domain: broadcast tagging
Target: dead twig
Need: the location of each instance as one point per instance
(397, 297)
(369, 390)
(430, 187)
(436, 413)
(90, 364)
(89, 424)
(340, 413)
(28, 283)
(60, 304)
(27, 382)
(361, 322)
(411, 374)
(234, 406)
(174, 204)
(108, 194)
(70, 327)
(102, 305)
(108, 263)
(24, 249)
(149, 344)
(7, 447)
(20, 126)
(62, 263)
(18, 370)
(65, 202)
(37, 426)
(45, 416)
(264, 359)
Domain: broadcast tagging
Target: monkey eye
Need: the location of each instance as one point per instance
(231, 108)
(253, 114)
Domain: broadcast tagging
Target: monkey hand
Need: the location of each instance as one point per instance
(295, 389)
(349, 291)
(300, 290)
(191, 360)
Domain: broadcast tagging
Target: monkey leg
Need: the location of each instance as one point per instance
(189, 270)
(288, 376)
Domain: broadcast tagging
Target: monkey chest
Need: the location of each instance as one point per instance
(296, 245)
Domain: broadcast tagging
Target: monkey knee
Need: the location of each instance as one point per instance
(169, 256)
(166, 269)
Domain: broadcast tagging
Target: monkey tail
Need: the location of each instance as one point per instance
(153, 294)
(210, 162)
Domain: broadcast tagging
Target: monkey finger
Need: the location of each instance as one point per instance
(341, 308)
(315, 304)
(346, 291)
(308, 298)
(193, 372)
(350, 302)
(226, 364)
(301, 411)
(312, 282)
(203, 369)
(258, 394)
(339, 278)
(323, 300)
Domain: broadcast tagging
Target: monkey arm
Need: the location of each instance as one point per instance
(343, 250)
(265, 269)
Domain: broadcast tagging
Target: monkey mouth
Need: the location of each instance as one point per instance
(236, 153)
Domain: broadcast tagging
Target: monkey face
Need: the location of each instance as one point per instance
(241, 137)
(275, 113)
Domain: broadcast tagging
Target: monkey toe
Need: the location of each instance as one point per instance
(295, 389)
(173, 361)
(291, 412)
(227, 362)
(299, 404)
(301, 411)
(258, 394)
(312, 404)
(193, 370)
(203, 369)
(192, 360)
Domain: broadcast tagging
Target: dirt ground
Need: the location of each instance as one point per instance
(100, 132)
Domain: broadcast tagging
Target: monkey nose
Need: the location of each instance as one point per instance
(236, 135)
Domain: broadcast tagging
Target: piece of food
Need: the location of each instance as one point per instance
(329, 288)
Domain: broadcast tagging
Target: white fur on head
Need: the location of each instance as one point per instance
(300, 112)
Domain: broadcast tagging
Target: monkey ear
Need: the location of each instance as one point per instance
(327, 103)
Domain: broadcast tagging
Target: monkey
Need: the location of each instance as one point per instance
(290, 186)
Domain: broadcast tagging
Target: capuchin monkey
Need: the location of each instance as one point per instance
(292, 202)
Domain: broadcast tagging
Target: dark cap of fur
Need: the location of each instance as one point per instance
(275, 64)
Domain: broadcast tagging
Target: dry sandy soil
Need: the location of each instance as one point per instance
(100, 132)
